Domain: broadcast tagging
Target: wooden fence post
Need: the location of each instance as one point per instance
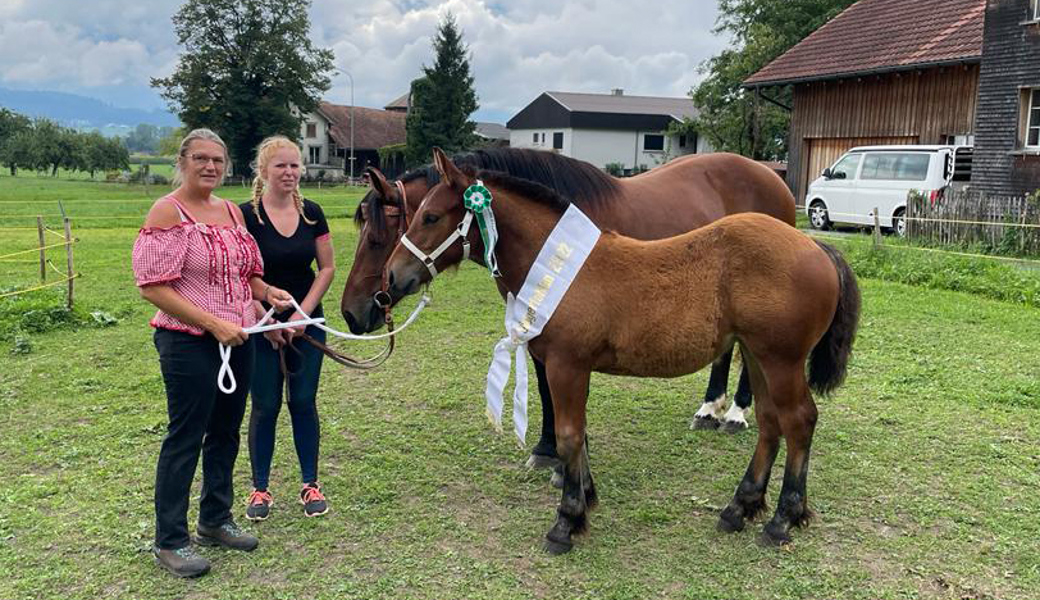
(43, 253)
(68, 256)
(877, 229)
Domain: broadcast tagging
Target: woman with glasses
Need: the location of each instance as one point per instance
(195, 261)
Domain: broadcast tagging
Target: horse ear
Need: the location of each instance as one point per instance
(455, 178)
(378, 181)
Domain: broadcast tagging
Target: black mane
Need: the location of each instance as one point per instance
(578, 181)
(531, 190)
(556, 179)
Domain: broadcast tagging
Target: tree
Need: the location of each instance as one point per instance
(11, 124)
(248, 70)
(761, 30)
(144, 138)
(170, 142)
(104, 154)
(442, 100)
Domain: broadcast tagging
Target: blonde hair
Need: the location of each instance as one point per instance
(199, 134)
(264, 152)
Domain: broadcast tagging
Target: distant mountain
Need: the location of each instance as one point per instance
(81, 111)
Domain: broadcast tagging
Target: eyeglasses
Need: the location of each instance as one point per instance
(218, 161)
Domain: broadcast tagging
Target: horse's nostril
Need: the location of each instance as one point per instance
(390, 278)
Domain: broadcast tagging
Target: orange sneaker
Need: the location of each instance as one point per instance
(313, 501)
(259, 505)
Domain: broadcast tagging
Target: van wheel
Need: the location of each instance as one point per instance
(818, 218)
(899, 223)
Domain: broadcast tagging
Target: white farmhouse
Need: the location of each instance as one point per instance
(606, 128)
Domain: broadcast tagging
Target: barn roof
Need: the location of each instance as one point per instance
(875, 36)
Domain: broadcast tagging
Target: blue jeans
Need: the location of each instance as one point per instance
(304, 371)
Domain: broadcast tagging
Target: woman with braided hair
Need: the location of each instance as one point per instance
(292, 234)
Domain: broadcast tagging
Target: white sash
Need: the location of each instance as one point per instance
(552, 273)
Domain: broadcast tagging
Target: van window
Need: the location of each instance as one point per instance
(846, 165)
(900, 166)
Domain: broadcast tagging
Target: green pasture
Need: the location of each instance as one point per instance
(924, 469)
(92, 204)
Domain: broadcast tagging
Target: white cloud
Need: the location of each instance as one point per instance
(520, 48)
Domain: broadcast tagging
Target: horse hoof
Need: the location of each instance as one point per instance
(557, 479)
(558, 547)
(542, 461)
(773, 538)
(732, 427)
(730, 523)
(708, 422)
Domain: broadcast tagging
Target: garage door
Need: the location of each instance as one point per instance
(822, 152)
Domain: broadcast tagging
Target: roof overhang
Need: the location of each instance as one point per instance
(968, 60)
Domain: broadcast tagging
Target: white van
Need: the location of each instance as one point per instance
(869, 177)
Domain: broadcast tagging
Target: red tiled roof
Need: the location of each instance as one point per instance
(882, 35)
(373, 128)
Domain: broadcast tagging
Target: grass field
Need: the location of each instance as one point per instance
(94, 204)
(924, 473)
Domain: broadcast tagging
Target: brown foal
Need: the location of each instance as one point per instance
(789, 301)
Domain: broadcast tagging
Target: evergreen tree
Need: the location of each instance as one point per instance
(247, 64)
(761, 31)
(442, 100)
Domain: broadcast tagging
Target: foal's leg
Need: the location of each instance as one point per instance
(750, 497)
(543, 455)
(710, 414)
(735, 419)
(797, 414)
(570, 387)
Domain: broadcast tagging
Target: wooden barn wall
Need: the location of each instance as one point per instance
(913, 106)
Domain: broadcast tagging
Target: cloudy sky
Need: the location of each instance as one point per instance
(109, 49)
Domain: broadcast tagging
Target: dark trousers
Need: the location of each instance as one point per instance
(202, 418)
(304, 366)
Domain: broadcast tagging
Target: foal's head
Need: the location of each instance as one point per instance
(437, 219)
(380, 217)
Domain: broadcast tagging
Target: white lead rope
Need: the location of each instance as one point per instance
(225, 351)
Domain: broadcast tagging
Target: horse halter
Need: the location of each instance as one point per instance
(428, 259)
(382, 297)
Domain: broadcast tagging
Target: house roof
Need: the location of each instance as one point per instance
(492, 131)
(399, 103)
(624, 104)
(373, 128)
(874, 36)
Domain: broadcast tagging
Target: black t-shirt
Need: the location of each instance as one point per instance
(287, 260)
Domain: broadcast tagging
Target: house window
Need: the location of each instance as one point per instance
(543, 137)
(312, 130)
(1034, 10)
(682, 141)
(558, 140)
(653, 142)
(313, 155)
(534, 138)
(1031, 117)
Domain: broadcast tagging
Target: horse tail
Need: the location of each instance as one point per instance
(829, 360)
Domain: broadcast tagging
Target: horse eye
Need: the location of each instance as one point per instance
(430, 219)
(375, 244)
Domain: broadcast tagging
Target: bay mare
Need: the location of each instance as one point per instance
(789, 301)
(687, 193)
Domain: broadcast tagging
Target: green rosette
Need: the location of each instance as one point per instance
(476, 198)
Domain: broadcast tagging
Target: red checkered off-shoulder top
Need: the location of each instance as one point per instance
(209, 265)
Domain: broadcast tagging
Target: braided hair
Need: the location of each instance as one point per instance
(264, 152)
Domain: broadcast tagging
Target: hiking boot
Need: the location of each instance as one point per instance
(182, 562)
(260, 503)
(227, 535)
(313, 501)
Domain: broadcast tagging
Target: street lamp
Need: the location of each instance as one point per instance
(351, 121)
